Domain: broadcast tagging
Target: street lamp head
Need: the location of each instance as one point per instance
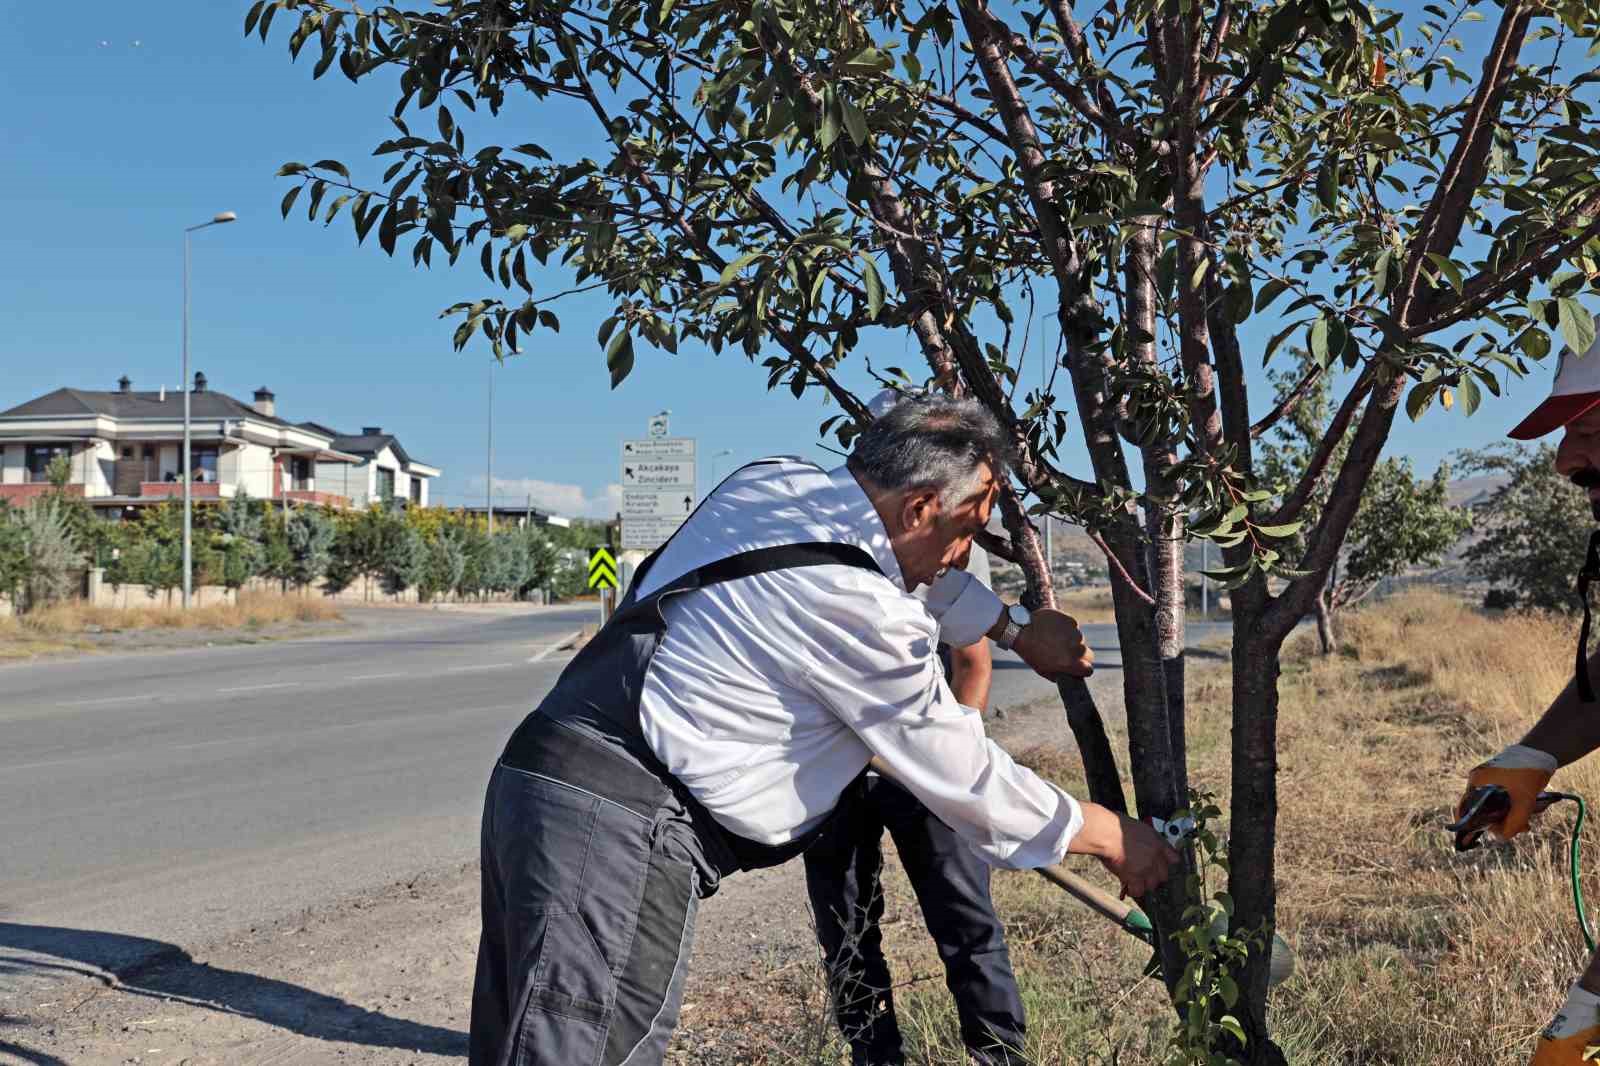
(226, 216)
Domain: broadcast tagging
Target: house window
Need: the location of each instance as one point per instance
(204, 462)
(416, 491)
(40, 456)
(385, 484)
(300, 472)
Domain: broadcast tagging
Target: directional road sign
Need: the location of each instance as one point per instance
(656, 503)
(658, 489)
(658, 448)
(659, 474)
(602, 570)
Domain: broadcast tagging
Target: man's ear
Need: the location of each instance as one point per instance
(918, 509)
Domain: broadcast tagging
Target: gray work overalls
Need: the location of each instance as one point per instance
(594, 857)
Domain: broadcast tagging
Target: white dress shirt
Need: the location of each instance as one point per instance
(769, 693)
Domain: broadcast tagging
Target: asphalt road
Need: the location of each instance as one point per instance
(172, 798)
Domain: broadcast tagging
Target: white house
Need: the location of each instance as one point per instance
(383, 470)
(125, 449)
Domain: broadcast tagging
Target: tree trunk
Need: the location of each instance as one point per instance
(1083, 717)
(1254, 816)
(1325, 624)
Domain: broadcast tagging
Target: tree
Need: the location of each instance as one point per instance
(447, 562)
(50, 554)
(241, 529)
(1534, 528)
(13, 554)
(360, 547)
(405, 557)
(310, 535)
(1402, 521)
(786, 178)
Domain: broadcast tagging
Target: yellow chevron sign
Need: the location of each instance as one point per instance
(602, 570)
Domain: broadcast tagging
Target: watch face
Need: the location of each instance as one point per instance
(1019, 614)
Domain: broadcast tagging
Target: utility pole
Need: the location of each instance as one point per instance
(1205, 589)
(488, 482)
(188, 473)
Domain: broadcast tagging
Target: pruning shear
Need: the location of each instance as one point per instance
(1487, 806)
(1177, 831)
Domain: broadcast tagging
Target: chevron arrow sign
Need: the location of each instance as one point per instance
(602, 570)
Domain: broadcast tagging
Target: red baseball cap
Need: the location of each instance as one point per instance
(1575, 393)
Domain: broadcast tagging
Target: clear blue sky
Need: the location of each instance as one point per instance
(126, 122)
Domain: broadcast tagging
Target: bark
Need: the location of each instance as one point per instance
(1325, 625)
(1083, 717)
(1253, 840)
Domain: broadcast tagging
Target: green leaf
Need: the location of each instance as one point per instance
(1328, 182)
(619, 357)
(1448, 268)
(1380, 273)
(731, 271)
(828, 132)
(1577, 325)
(1418, 401)
(1288, 529)
(854, 122)
(874, 284)
(1471, 395)
(333, 165)
(1230, 1025)
(1269, 292)
(867, 61)
(1319, 339)
(289, 198)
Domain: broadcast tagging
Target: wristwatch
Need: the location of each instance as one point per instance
(1017, 619)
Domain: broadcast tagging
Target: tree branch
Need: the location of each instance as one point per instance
(1331, 439)
(1289, 402)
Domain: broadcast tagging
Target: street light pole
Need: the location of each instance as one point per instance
(715, 460)
(185, 384)
(489, 454)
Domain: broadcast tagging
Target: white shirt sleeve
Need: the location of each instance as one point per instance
(884, 685)
(963, 606)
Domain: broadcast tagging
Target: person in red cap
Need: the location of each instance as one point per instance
(1570, 729)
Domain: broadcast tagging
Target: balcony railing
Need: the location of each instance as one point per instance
(21, 494)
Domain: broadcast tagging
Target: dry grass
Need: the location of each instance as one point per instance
(64, 626)
(1408, 953)
(1087, 605)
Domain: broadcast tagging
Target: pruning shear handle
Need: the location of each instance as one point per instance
(1487, 806)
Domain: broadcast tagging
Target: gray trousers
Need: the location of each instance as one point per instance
(588, 917)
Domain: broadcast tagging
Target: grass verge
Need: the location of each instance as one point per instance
(1407, 953)
(67, 626)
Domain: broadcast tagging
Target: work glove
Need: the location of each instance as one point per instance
(1574, 1030)
(1523, 772)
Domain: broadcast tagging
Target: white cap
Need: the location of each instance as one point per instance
(1576, 391)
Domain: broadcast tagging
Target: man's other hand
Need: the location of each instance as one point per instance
(1135, 853)
(1053, 645)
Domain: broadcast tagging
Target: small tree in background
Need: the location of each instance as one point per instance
(1402, 521)
(13, 554)
(405, 556)
(51, 554)
(447, 562)
(309, 535)
(241, 533)
(1534, 528)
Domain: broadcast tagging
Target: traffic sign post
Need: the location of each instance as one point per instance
(658, 489)
(603, 576)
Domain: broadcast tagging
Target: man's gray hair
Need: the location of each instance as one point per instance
(930, 440)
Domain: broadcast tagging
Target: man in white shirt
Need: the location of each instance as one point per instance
(763, 655)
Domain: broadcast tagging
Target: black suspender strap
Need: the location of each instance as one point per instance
(1589, 573)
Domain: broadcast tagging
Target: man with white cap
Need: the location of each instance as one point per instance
(1570, 729)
